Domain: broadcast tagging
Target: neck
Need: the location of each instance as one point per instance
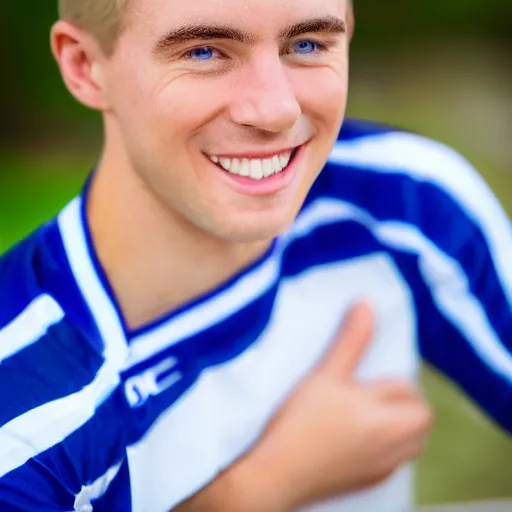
(154, 259)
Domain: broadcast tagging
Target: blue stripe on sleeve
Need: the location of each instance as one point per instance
(57, 365)
(441, 220)
(357, 128)
(52, 480)
(443, 346)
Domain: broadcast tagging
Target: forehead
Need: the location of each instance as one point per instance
(257, 16)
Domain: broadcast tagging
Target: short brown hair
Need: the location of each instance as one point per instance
(103, 18)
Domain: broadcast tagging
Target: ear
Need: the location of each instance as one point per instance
(79, 59)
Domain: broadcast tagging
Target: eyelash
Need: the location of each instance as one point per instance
(319, 48)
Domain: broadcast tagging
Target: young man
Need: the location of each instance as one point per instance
(170, 339)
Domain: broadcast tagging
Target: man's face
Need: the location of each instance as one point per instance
(228, 109)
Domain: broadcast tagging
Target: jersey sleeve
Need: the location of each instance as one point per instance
(465, 314)
(35, 487)
(36, 474)
(60, 448)
(44, 365)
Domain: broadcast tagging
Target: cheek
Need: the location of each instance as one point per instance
(185, 107)
(323, 95)
(188, 101)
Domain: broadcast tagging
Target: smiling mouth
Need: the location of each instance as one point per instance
(256, 168)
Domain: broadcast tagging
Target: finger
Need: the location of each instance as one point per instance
(410, 419)
(392, 390)
(351, 342)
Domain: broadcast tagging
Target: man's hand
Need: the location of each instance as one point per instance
(333, 436)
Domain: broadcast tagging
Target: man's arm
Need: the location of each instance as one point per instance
(465, 310)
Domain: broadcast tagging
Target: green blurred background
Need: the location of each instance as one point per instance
(438, 67)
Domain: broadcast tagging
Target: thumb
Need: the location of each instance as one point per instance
(351, 342)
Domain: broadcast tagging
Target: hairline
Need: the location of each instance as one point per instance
(115, 20)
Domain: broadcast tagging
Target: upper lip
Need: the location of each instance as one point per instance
(255, 154)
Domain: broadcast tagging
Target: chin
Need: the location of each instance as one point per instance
(253, 232)
(255, 235)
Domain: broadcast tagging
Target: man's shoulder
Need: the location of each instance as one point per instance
(383, 174)
(387, 149)
(20, 276)
(354, 129)
(372, 163)
(46, 345)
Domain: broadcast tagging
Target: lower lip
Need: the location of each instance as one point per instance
(266, 186)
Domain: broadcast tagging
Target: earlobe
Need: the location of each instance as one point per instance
(77, 59)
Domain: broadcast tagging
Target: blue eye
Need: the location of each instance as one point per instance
(306, 47)
(204, 53)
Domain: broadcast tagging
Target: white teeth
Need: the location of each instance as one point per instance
(284, 158)
(244, 169)
(268, 168)
(235, 166)
(254, 168)
(226, 163)
(276, 164)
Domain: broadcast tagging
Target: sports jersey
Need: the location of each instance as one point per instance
(97, 417)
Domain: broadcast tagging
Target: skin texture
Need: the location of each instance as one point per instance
(164, 110)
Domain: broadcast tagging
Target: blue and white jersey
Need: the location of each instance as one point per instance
(95, 417)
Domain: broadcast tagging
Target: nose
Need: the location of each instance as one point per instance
(264, 97)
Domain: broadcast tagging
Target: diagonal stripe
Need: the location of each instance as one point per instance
(31, 325)
(92, 492)
(444, 275)
(47, 425)
(424, 159)
(41, 428)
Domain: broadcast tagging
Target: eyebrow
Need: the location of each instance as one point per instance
(201, 33)
(328, 24)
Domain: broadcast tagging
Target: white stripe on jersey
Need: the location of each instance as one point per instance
(92, 492)
(45, 426)
(444, 275)
(49, 424)
(29, 326)
(425, 159)
(106, 317)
